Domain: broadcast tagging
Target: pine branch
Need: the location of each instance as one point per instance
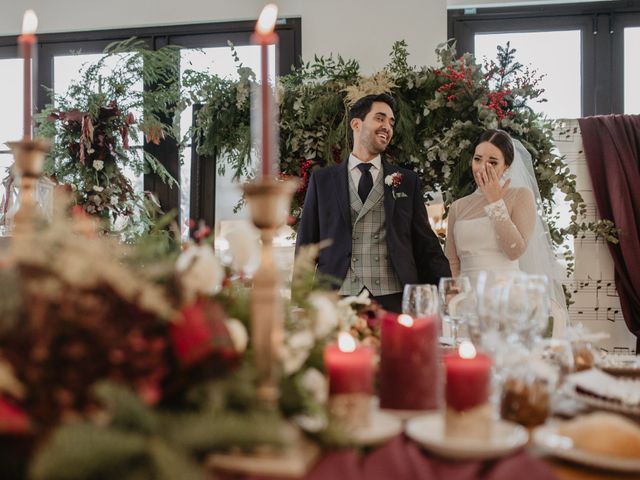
(83, 451)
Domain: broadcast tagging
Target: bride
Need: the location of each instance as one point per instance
(498, 228)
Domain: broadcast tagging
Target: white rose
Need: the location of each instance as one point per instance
(244, 246)
(325, 315)
(316, 383)
(97, 188)
(200, 271)
(238, 334)
(295, 351)
(113, 200)
(362, 299)
(98, 165)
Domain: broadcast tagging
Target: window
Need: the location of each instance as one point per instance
(585, 49)
(217, 60)
(10, 120)
(556, 54)
(60, 55)
(631, 70)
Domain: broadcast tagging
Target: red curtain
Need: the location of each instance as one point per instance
(612, 149)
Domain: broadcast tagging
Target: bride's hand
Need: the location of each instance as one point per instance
(489, 184)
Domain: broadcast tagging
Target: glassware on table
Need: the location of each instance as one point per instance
(420, 299)
(558, 354)
(540, 297)
(457, 302)
(516, 309)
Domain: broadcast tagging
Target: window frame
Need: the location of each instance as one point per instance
(600, 23)
(288, 56)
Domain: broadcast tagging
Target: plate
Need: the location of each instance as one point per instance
(620, 364)
(549, 441)
(601, 403)
(428, 431)
(382, 427)
(405, 414)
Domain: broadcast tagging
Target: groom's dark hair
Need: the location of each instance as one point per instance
(501, 140)
(363, 105)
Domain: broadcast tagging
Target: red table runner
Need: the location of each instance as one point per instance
(401, 459)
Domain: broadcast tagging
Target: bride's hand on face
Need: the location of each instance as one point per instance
(489, 183)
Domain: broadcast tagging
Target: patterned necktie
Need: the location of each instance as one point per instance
(366, 181)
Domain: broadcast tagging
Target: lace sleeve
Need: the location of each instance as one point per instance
(513, 229)
(450, 245)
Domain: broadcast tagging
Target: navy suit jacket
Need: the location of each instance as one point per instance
(414, 250)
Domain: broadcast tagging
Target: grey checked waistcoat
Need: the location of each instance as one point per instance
(370, 265)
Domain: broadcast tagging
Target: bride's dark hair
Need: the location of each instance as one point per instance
(501, 140)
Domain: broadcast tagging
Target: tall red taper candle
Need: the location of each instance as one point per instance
(26, 41)
(264, 36)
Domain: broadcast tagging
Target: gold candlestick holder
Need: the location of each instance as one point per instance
(269, 201)
(29, 158)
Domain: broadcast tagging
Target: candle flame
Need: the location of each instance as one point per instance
(267, 21)
(405, 320)
(29, 22)
(467, 350)
(346, 343)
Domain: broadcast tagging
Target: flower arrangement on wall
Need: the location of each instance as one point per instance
(97, 127)
(441, 111)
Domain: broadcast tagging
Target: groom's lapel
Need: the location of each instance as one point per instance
(342, 190)
(389, 201)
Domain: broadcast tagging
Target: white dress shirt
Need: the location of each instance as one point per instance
(376, 168)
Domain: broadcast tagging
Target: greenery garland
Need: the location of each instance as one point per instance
(441, 111)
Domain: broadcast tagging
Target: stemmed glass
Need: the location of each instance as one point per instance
(420, 300)
(516, 307)
(456, 301)
(538, 286)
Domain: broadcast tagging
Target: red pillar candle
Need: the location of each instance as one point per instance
(264, 36)
(349, 367)
(409, 371)
(26, 41)
(468, 377)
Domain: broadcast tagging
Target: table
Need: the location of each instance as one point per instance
(401, 459)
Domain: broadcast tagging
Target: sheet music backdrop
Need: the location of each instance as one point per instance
(593, 289)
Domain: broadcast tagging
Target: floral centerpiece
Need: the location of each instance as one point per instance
(135, 368)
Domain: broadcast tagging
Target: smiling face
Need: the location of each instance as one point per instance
(488, 154)
(372, 135)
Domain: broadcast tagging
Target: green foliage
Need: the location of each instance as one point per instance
(440, 113)
(97, 127)
(141, 442)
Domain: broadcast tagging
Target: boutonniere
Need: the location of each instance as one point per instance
(394, 181)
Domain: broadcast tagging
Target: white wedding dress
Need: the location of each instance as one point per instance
(494, 238)
(489, 237)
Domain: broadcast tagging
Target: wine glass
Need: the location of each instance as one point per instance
(420, 300)
(516, 307)
(457, 301)
(541, 298)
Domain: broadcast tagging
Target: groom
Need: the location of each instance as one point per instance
(374, 214)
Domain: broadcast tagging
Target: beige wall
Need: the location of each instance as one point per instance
(362, 29)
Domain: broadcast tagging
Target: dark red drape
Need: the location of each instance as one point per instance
(612, 149)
